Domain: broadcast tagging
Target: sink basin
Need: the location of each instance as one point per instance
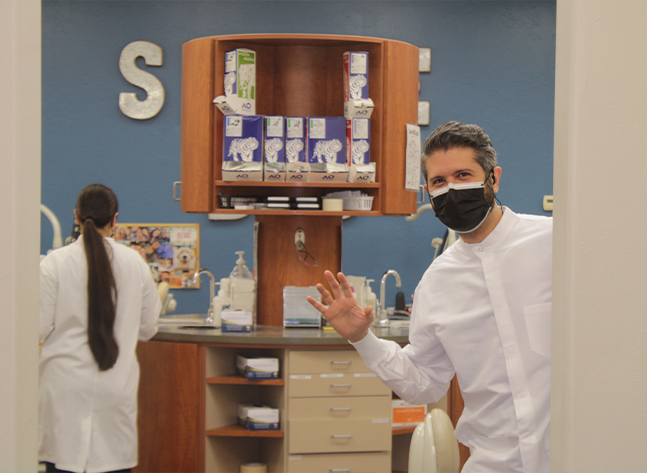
(176, 320)
(197, 327)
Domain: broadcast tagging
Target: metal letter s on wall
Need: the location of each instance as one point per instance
(129, 104)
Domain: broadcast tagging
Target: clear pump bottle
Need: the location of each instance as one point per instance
(242, 292)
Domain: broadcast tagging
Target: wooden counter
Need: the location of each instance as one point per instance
(189, 394)
(266, 335)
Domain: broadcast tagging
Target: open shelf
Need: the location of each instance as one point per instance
(404, 430)
(316, 185)
(235, 379)
(236, 430)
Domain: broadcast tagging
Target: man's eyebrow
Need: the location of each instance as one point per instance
(458, 171)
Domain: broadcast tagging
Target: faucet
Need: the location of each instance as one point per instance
(212, 292)
(382, 317)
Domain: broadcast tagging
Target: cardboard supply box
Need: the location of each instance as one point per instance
(327, 149)
(242, 150)
(236, 321)
(240, 81)
(358, 155)
(405, 414)
(257, 368)
(296, 161)
(355, 75)
(258, 417)
(274, 155)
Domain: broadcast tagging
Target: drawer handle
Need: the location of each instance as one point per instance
(340, 408)
(339, 470)
(340, 385)
(341, 362)
(341, 436)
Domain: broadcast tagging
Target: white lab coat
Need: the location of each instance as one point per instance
(483, 311)
(87, 417)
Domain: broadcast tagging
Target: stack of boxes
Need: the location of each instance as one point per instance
(295, 149)
(257, 416)
(357, 111)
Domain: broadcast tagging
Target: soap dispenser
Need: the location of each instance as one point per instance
(242, 292)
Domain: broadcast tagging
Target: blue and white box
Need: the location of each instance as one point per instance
(257, 368)
(242, 151)
(327, 149)
(258, 417)
(236, 321)
(296, 161)
(355, 75)
(240, 80)
(359, 150)
(274, 155)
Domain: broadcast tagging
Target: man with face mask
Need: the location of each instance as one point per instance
(481, 311)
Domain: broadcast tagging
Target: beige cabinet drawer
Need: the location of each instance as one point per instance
(378, 462)
(326, 361)
(342, 408)
(347, 384)
(305, 436)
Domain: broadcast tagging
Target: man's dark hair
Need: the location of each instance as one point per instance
(458, 135)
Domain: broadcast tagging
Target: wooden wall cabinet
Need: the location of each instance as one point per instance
(298, 75)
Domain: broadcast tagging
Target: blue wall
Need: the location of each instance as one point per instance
(492, 64)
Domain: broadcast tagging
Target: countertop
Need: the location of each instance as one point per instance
(170, 330)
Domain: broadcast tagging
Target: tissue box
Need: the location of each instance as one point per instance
(274, 159)
(236, 321)
(297, 311)
(355, 75)
(327, 149)
(296, 162)
(258, 417)
(407, 414)
(240, 81)
(242, 150)
(257, 368)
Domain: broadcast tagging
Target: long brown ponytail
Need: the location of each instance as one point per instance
(96, 206)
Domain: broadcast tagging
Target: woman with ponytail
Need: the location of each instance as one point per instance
(97, 299)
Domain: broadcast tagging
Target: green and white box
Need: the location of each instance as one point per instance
(257, 368)
(240, 80)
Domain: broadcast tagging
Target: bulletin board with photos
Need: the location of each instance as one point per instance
(170, 250)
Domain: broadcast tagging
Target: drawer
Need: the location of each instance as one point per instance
(339, 435)
(344, 408)
(378, 462)
(326, 361)
(340, 384)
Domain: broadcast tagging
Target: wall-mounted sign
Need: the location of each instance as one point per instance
(129, 104)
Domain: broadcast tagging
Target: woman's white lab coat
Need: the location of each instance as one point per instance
(87, 417)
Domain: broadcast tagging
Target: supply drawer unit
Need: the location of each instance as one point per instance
(341, 463)
(339, 412)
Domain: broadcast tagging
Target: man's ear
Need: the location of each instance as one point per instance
(496, 178)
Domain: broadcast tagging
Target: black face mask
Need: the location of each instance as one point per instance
(462, 207)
